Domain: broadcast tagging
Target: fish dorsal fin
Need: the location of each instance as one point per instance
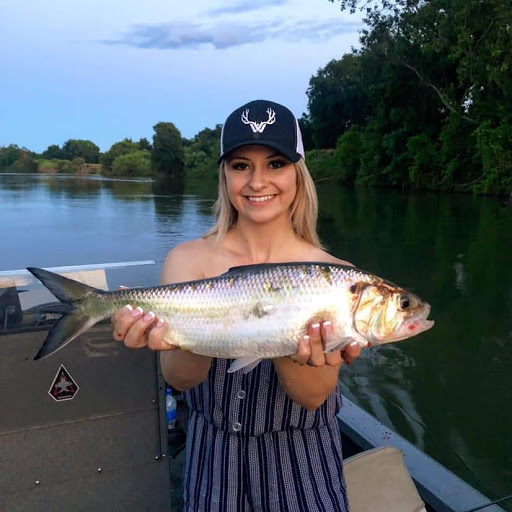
(249, 268)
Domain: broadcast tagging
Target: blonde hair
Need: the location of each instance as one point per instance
(303, 211)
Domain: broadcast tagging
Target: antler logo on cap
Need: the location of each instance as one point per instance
(259, 127)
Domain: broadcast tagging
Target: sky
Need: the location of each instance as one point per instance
(105, 70)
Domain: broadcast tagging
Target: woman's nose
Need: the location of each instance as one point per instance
(258, 179)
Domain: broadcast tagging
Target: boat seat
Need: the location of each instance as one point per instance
(378, 481)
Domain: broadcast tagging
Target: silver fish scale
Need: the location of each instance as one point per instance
(249, 312)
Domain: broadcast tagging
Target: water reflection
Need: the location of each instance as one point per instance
(455, 251)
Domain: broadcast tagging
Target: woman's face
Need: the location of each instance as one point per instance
(261, 183)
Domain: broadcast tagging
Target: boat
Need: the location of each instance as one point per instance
(85, 429)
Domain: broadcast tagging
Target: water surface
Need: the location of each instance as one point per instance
(449, 391)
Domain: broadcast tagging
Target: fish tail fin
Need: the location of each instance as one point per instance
(75, 321)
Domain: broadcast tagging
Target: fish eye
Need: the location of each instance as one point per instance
(405, 302)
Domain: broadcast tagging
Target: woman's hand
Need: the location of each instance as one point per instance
(138, 330)
(311, 348)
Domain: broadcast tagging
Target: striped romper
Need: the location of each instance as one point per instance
(251, 448)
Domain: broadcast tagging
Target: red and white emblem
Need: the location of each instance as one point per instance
(63, 386)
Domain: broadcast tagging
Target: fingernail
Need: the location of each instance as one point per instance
(149, 317)
(160, 322)
(137, 311)
(306, 339)
(354, 344)
(327, 325)
(128, 308)
(315, 328)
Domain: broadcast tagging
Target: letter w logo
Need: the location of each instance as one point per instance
(259, 127)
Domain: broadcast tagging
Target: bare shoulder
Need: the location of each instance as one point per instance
(185, 261)
(325, 257)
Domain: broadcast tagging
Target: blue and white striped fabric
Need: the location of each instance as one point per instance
(251, 448)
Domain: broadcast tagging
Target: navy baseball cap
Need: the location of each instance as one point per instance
(264, 123)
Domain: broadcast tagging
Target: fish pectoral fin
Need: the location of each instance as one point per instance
(246, 363)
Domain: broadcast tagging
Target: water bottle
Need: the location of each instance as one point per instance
(170, 409)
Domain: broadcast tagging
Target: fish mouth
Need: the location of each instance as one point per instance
(419, 322)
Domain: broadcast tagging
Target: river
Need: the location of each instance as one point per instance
(449, 391)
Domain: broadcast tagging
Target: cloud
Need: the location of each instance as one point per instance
(243, 6)
(171, 36)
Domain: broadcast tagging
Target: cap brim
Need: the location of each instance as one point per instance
(291, 155)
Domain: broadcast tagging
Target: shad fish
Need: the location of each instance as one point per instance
(252, 312)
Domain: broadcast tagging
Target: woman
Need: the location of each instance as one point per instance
(267, 440)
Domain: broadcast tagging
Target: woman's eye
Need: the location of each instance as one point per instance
(277, 164)
(239, 166)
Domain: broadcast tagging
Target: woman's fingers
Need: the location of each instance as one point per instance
(303, 351)
(156, 337)
(137, 334)
(317, 357)
(123, 319)
(351, 353)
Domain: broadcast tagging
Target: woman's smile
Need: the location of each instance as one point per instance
(260, 200)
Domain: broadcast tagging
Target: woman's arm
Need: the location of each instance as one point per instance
(181, 369)
(310, 385)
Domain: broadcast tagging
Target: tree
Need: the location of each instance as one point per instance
(144, 144)
(52, 151)
(202, 152)
(435, 81)
(336, 100)
(86, 149)
(25, 163)
(123, 147)
(306, 130)
(137, 163)
(9, 155)
(167, 156)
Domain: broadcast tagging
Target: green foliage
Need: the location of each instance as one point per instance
(9, 155)
(347, 156)
(137, 163)
(56, 165)
(202, 152)
(307, 132)
(25, 163)
(167, 156)
(144, 144)
(495, 148)
(336, 100)
(430, 91)
(422, 155)
(52, 151)
(321, 164)
(118, 149)
(85, 149)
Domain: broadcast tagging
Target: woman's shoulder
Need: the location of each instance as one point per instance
(324, 257)
(185, 261)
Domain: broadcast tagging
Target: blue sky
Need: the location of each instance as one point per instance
(106, 70)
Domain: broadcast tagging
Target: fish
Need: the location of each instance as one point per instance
(251, 312)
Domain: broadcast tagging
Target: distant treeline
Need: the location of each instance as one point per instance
(425, 103)
(169, 154)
